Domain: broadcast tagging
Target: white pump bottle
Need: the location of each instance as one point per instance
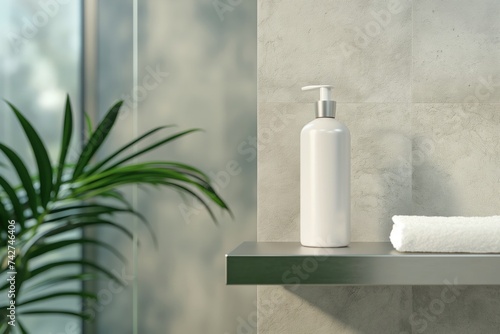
(325, 177)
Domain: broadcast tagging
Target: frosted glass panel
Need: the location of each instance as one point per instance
(196, 68)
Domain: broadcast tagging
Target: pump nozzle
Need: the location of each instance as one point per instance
(325, 91)
(325, 106)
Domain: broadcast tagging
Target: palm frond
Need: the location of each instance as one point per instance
(41, 157)
(153, 146)
(65, 143)
(55, 295)
(124, 148)
(14, 201)
(55, 312)
(56, 201)
(52, 281)
(96, 140)
(65, 263)
(48, 248)
(24, 176)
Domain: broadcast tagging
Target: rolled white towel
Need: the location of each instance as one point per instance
(446, 234)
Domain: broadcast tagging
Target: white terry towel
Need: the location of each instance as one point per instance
(446, 234)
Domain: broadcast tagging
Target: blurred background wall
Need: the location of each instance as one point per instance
(198, 58)
(40, 54)
(203, 65)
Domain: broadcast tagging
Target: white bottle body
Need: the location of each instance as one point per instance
(325, 184)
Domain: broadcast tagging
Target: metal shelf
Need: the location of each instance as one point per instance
(362, 263)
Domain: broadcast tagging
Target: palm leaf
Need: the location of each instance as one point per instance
(60, 229)
(47, 283)
(88, 125)
(93, 211)
(153, 146)
(124, 148)
(65, 143)
(116, 195)
(184, 168)
(56, 312)
(195, 195)
(21, 327)
(64, 263)
(82, 294)
(41, 157)
(212, 194)
(81, 210)
(4, 217)
(14, 201)
(24, 176)
(3, 326)
(48, 248)
(97, 139)
(132, 174)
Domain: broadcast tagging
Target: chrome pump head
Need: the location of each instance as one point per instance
(325, 107)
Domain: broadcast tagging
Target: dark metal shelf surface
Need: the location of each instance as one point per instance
(362, 263)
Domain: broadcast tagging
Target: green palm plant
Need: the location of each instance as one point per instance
(47, 207)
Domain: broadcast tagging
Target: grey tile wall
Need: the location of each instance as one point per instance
(418, 84)
(466, 310)
(456, 159)
(456, 47)
(343, 41)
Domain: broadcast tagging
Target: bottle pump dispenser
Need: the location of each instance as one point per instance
(325, 177)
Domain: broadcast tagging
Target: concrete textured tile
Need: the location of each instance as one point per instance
(456, 51)
(456, 159)
(363, 48)
(278, 174)
(380, 166)
(459, 310)
(323, 309)
(381, 170)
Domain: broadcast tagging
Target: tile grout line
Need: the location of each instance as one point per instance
(389, 102)
(412, 55)
(412, 59)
